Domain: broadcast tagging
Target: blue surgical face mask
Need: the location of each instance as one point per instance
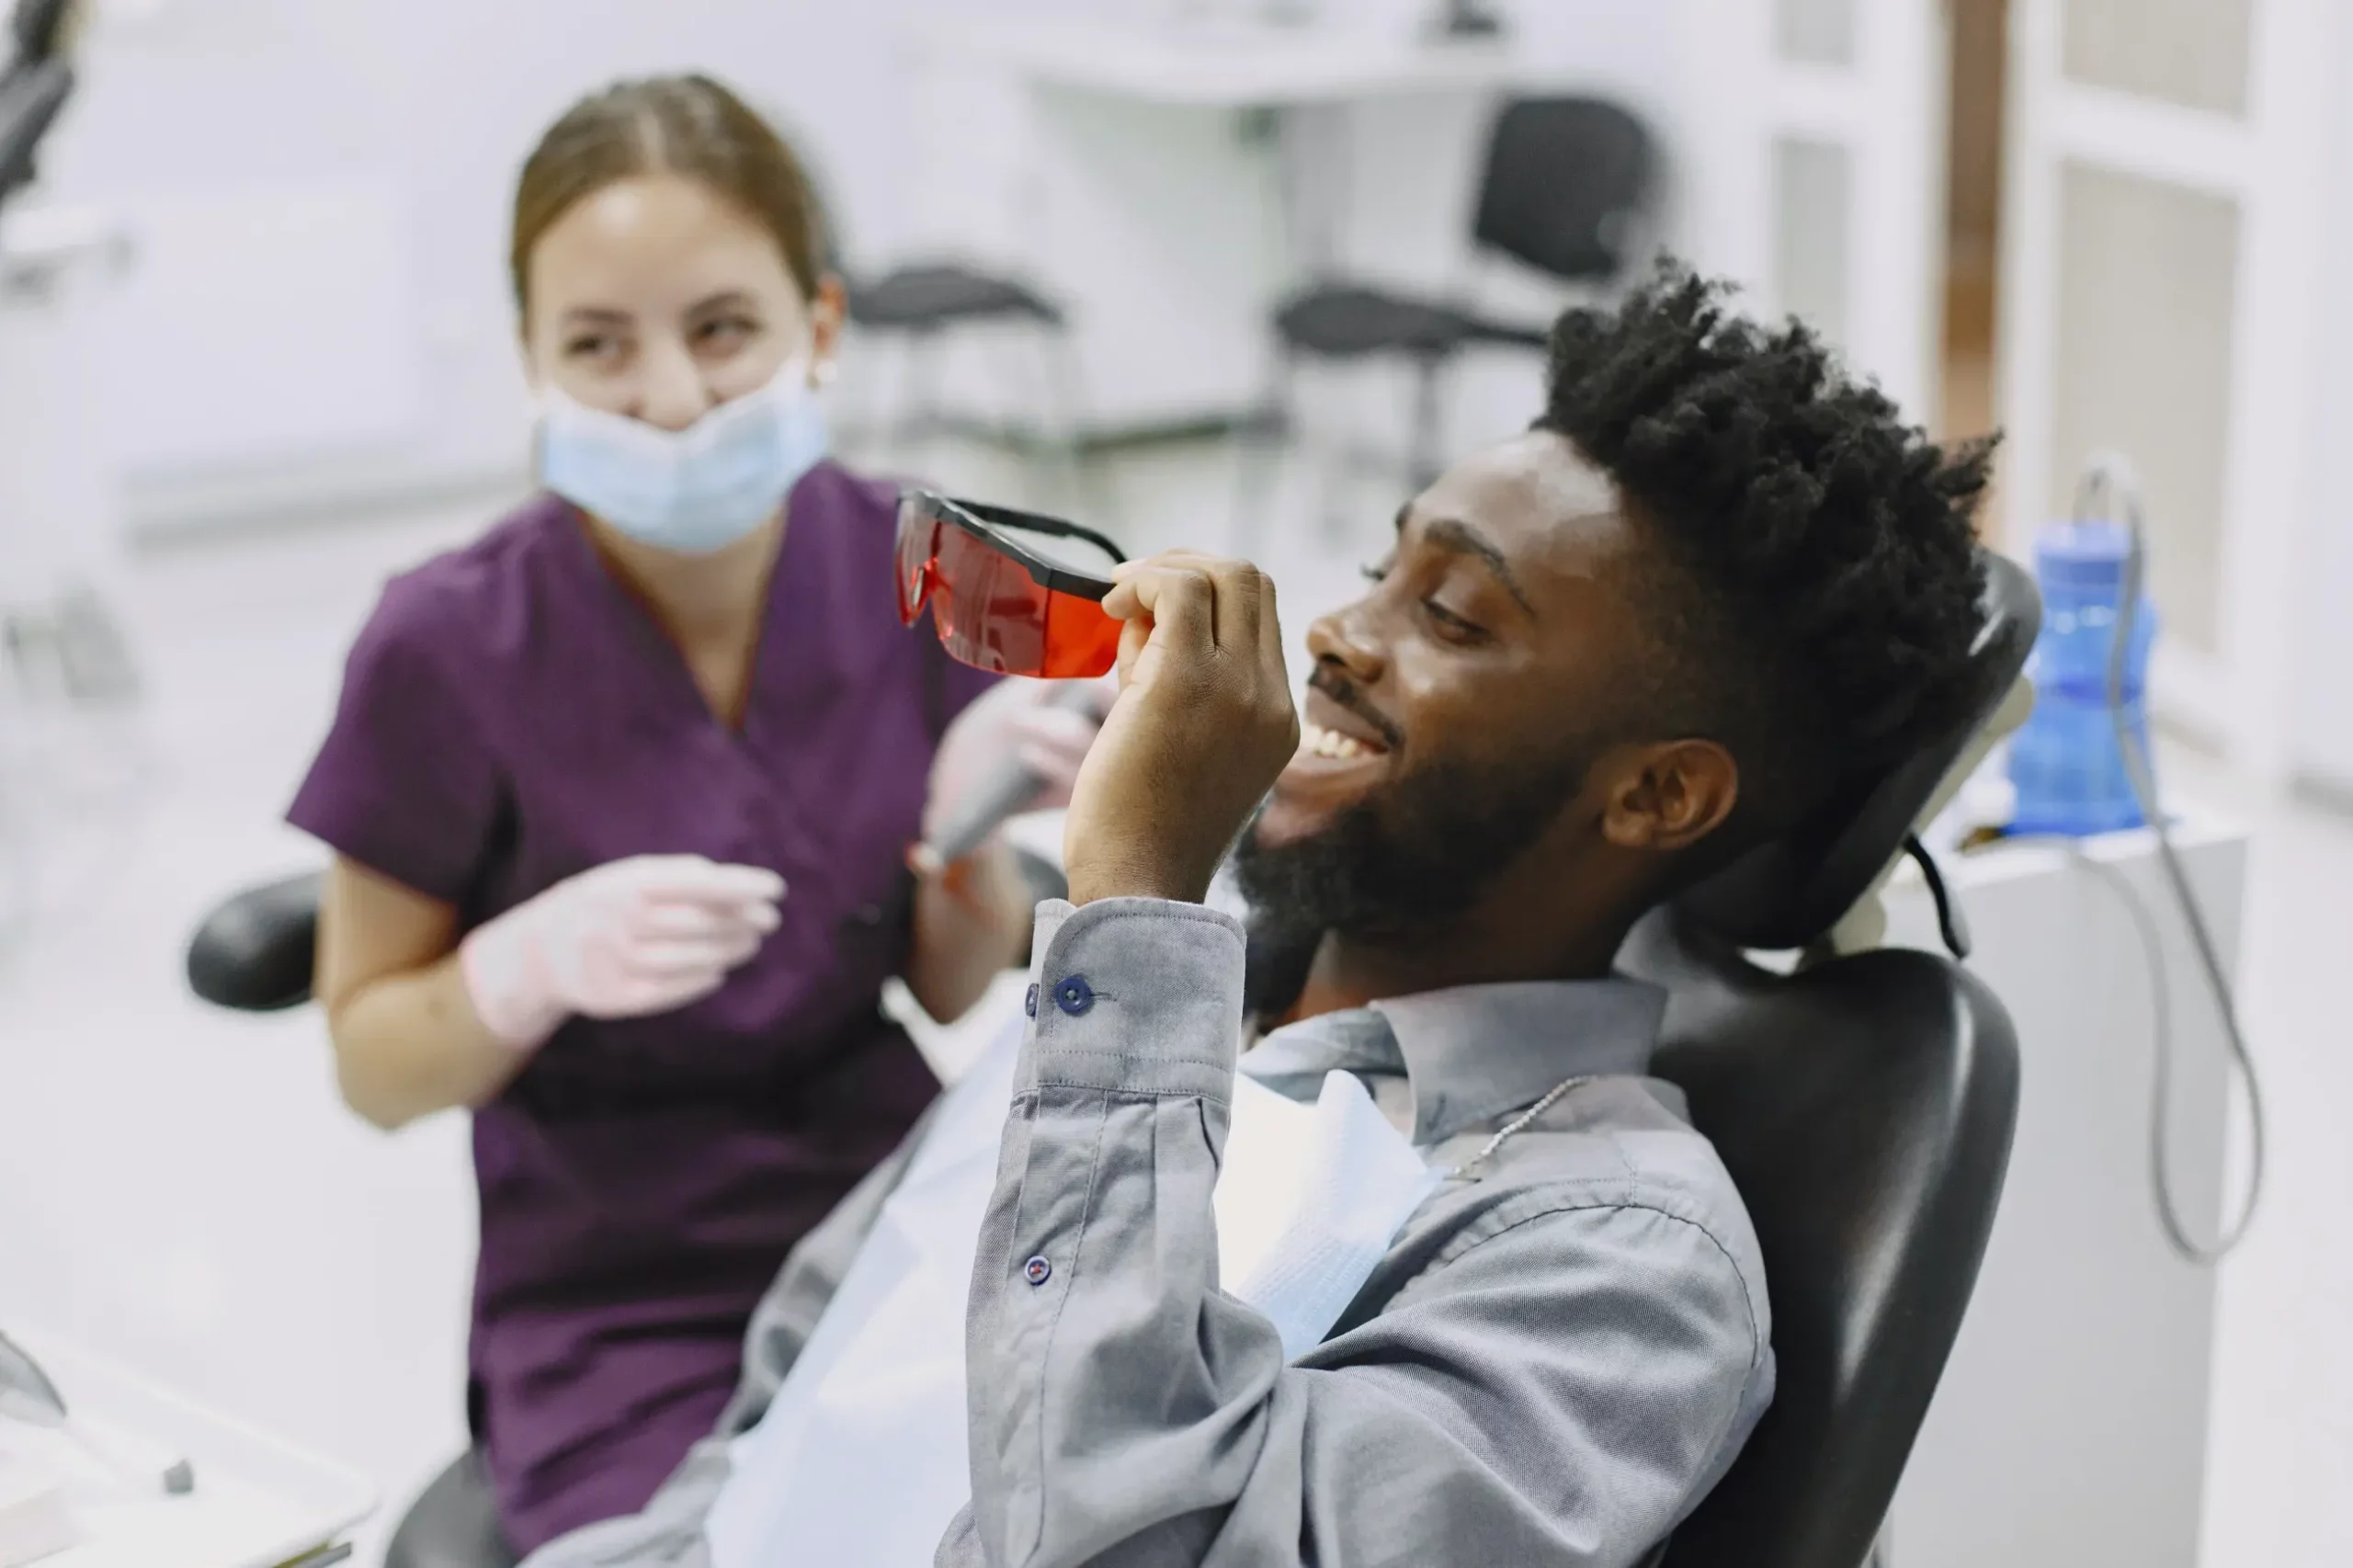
(692, 490)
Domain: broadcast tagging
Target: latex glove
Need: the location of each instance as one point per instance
(628, 940)
(1012, 719)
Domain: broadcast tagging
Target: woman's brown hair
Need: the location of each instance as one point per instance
(682, 125)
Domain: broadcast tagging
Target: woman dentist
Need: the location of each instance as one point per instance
(620, 797)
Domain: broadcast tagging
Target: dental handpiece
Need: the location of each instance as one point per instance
(1003, 793)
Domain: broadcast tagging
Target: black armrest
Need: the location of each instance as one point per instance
(255, 953)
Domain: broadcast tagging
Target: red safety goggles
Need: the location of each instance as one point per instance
(1010, 591)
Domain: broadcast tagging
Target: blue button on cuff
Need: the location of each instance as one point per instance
(1073, 995)
(1036, 1271)
(1029, 1002)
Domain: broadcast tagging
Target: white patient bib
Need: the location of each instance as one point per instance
(861, 1462)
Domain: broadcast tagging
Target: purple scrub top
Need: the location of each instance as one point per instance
(511, 717)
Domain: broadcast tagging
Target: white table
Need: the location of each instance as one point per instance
(2071, 1425)
(1232, 67)
(259, 1502)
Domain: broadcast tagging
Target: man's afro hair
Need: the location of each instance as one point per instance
(1817, 586)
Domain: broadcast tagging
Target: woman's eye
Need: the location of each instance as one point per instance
(588, 346)
(727, 330)
(1375, 570)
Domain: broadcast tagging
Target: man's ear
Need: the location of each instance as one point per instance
(1667, 796)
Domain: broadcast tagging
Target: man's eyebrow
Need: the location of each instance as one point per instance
(1458, 538)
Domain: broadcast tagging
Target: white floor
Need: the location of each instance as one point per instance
(181, 1187)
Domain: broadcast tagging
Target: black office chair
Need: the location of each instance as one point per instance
(37, 27)
(32, 95)
(1864, 1106)
(34, 85)
(1567, 189)
(921, 305)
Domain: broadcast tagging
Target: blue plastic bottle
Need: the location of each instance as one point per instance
(2065, 764)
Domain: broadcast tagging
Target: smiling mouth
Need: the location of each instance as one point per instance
(1331, 771)
(1315, 740)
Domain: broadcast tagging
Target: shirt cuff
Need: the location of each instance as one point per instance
(1134, 995)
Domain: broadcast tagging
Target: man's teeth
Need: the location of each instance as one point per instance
(1315, 738)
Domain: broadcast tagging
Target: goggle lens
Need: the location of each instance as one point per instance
(991, 609)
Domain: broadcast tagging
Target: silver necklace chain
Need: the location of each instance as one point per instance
(1519, 1124)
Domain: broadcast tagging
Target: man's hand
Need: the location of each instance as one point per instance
(1202, 725)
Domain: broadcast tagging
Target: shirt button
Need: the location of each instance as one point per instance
(1029, 1002)
(1075, 996)
(1036, 1271)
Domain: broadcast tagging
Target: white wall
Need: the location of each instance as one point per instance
(2321, 722)
(404, 364)
(323, 190)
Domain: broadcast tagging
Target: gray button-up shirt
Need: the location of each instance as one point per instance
(1554, 1361)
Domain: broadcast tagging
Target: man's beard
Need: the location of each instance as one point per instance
(1407, 859)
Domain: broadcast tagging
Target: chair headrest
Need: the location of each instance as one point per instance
(1786, 893)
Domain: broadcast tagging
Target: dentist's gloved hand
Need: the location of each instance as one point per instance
(638, 937)
(1029, 721)
(972, 915)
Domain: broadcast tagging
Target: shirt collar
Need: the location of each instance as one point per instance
(1474, 1052)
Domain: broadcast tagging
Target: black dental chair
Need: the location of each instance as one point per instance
(1864, 1104)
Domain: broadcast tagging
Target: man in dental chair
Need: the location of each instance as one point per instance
(1515, 1311)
